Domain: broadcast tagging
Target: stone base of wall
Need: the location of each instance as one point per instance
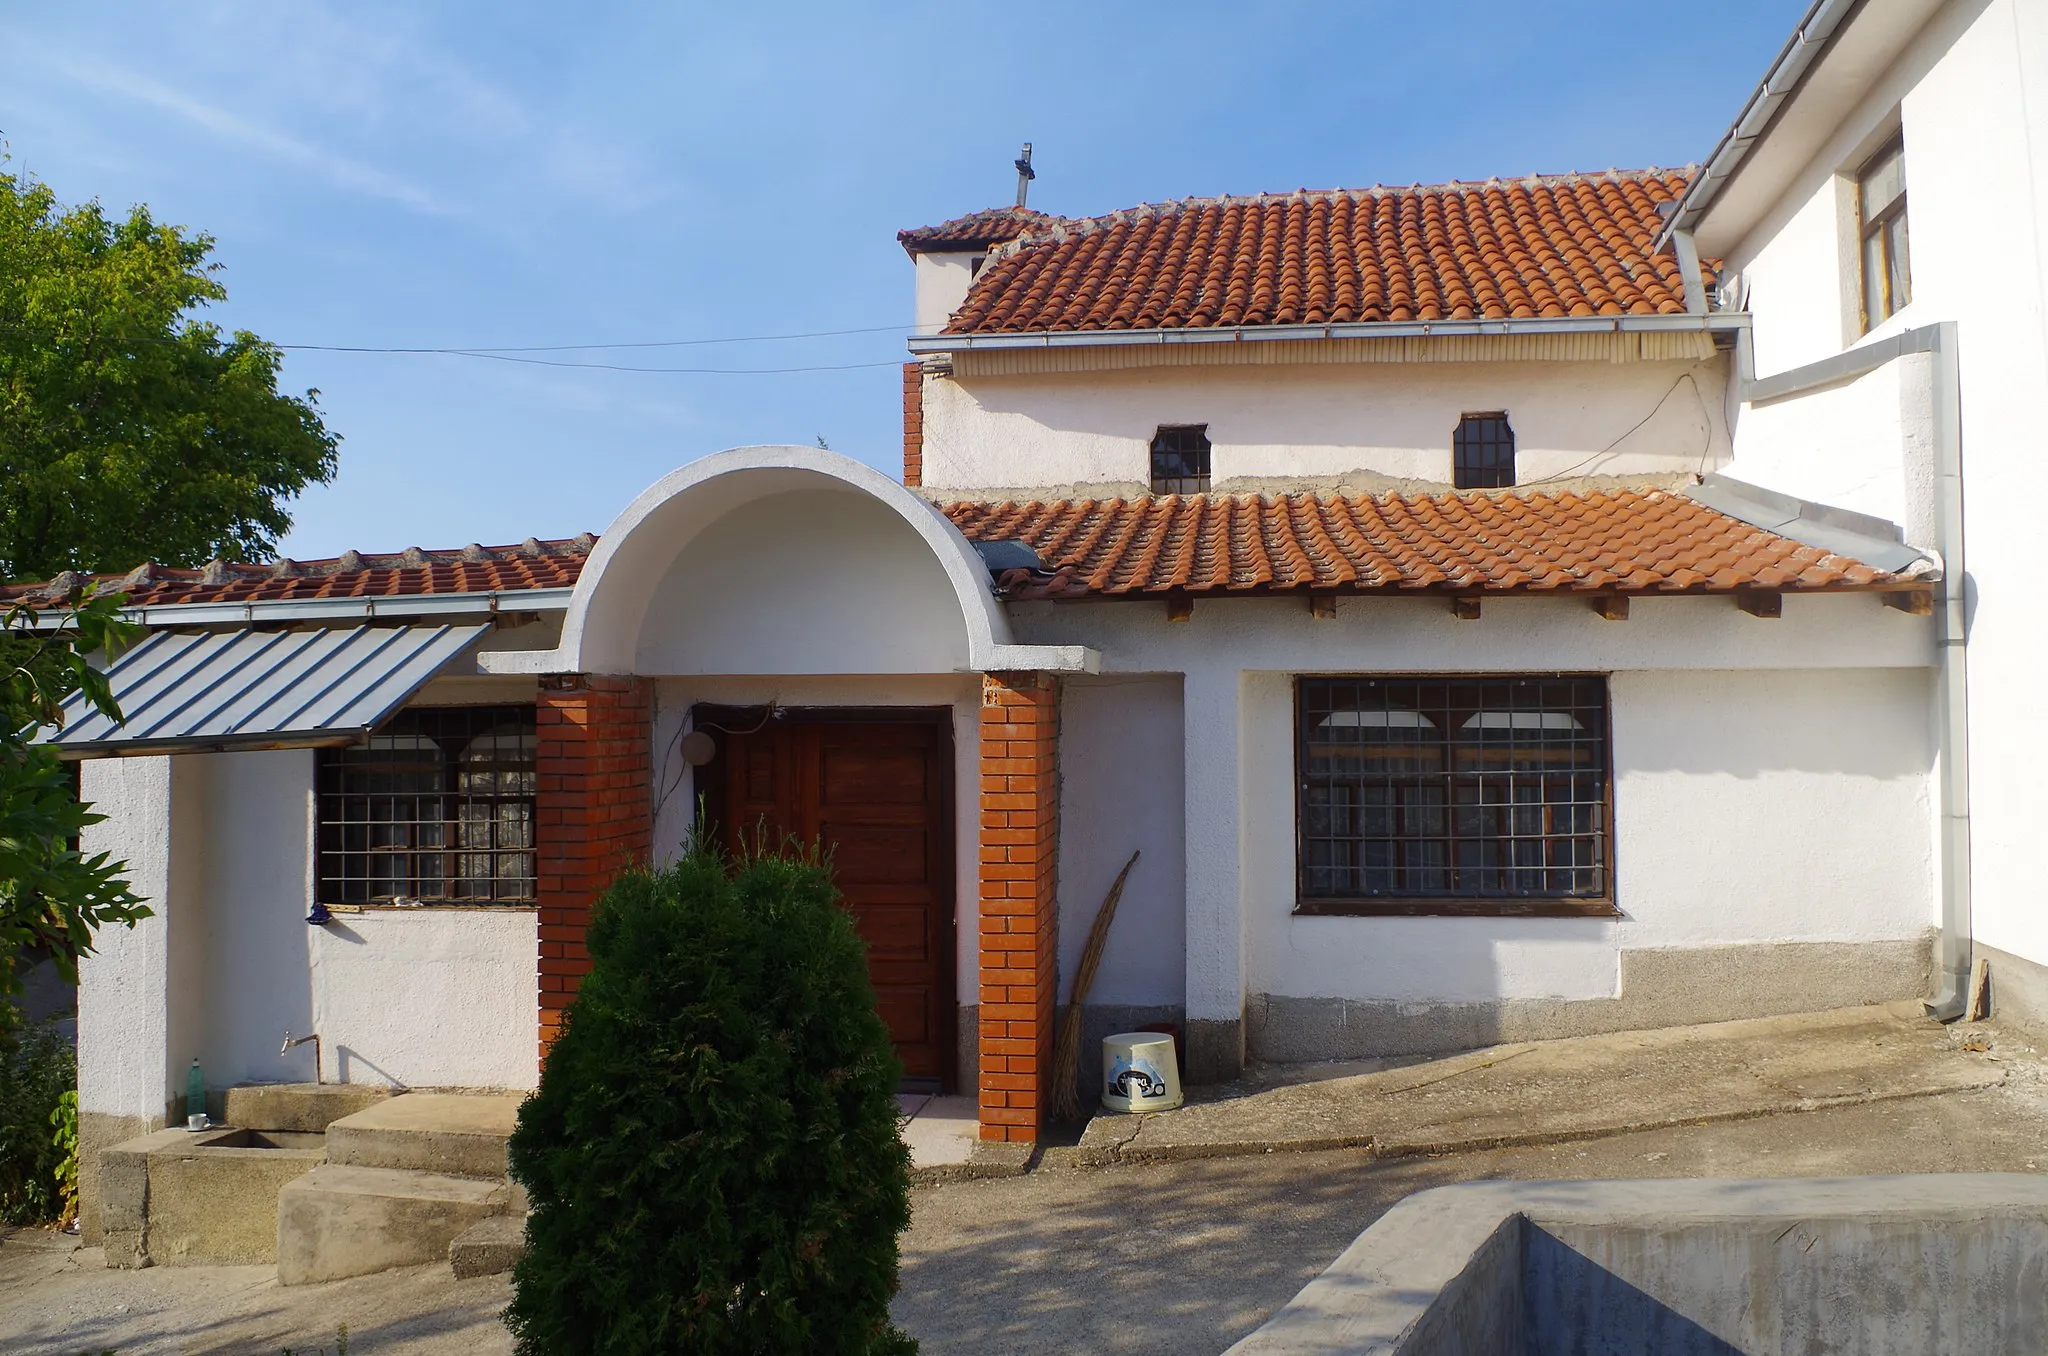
(1663, 987)
(2019, 991)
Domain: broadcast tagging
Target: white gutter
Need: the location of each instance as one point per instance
(1952, 963)
(1718, 322)
(332, 609)
(1823, 19)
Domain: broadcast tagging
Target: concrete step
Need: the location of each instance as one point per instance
(341, 1220)
(488, 1248)
(461, 1134)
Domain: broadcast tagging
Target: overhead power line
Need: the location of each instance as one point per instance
(516, 353)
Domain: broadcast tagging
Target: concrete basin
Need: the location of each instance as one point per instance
(176, 1198)
(1881, 1266)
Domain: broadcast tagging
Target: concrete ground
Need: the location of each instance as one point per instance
(1175, 1256)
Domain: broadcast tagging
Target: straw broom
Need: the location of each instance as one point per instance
(1066, 1053)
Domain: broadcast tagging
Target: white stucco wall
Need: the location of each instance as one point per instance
(1971, 93)
(1120, 792)
(1805, 739)
(429, 997)
(129, 1059)
(1390, 419)
(806, 582)
(941, 281)
(1758, 806)
(222, 845)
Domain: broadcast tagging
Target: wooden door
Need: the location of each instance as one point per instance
(876, 793)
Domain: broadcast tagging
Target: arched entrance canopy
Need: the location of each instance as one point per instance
(645, 596)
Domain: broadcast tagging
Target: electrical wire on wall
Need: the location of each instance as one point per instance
(1706, 417)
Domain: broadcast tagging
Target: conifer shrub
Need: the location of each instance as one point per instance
(712, 1158)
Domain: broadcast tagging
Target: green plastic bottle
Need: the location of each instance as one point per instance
(195, 1095)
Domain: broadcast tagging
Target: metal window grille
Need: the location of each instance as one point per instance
(1464, 788)
(437, 807)
(1180, 459)
(1881, 218)
(1483, 452)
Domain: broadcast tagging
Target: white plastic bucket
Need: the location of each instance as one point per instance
(1139, 1072)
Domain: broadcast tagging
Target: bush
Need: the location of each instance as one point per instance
(712, 1157)
(37, 1068)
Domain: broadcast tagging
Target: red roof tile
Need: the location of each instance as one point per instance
(975, 231)
(473, 569)
(1564, 245)
(1611, 541)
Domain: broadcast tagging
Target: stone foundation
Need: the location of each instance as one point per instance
(1663, 987)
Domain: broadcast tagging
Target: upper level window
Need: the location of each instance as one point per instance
(1483, 452)
(1453, 795)
(1881, 219)
(1180, 459)
(437, 807)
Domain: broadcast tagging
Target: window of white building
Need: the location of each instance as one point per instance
(1881, 224)
(1483, 452)
(1180, 459)
(438, 807)
(1453, 795)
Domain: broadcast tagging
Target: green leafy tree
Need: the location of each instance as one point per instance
(129, 430)
(52, 896)
(712, 1157)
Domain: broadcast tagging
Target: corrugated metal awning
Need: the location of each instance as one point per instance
(185, 691)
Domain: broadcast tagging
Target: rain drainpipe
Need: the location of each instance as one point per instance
(1689, 270)
(1954, 955)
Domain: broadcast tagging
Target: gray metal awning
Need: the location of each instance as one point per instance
(185, 691)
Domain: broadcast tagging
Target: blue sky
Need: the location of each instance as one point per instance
(498, 174)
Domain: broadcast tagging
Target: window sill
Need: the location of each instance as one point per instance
(1456, 908)
(348, 910)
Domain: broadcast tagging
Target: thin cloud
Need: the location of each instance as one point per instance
(338, 170)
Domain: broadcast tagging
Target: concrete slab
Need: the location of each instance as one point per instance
(342, 1220)
(489, 1248)
(462, 1134)
(303, 1107)
(1546, 1092)
(942, 1131)
(1945, 1262)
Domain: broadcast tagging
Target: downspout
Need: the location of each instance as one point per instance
(1954, 953)
(1952, 977)
(1689, 270)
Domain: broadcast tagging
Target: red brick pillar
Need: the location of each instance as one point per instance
(913, 423)
(1019, 915)
(594, 815)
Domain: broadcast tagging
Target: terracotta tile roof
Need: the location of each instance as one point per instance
(1564, 245)
(975, 231)
(1611, 541)
(474, 569)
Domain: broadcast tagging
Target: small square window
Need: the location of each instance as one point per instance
(1483, 452)
(1180, 459)
(1881, 224)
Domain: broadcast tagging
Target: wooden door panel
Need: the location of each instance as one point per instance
(893, 932)
(878, 854)
(869, 776)
(874, 794)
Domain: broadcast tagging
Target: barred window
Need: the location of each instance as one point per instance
(437, 807)
(1482, 452)
(1431, 795)
(1180, 459)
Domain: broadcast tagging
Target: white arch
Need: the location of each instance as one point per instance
(601, 631)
